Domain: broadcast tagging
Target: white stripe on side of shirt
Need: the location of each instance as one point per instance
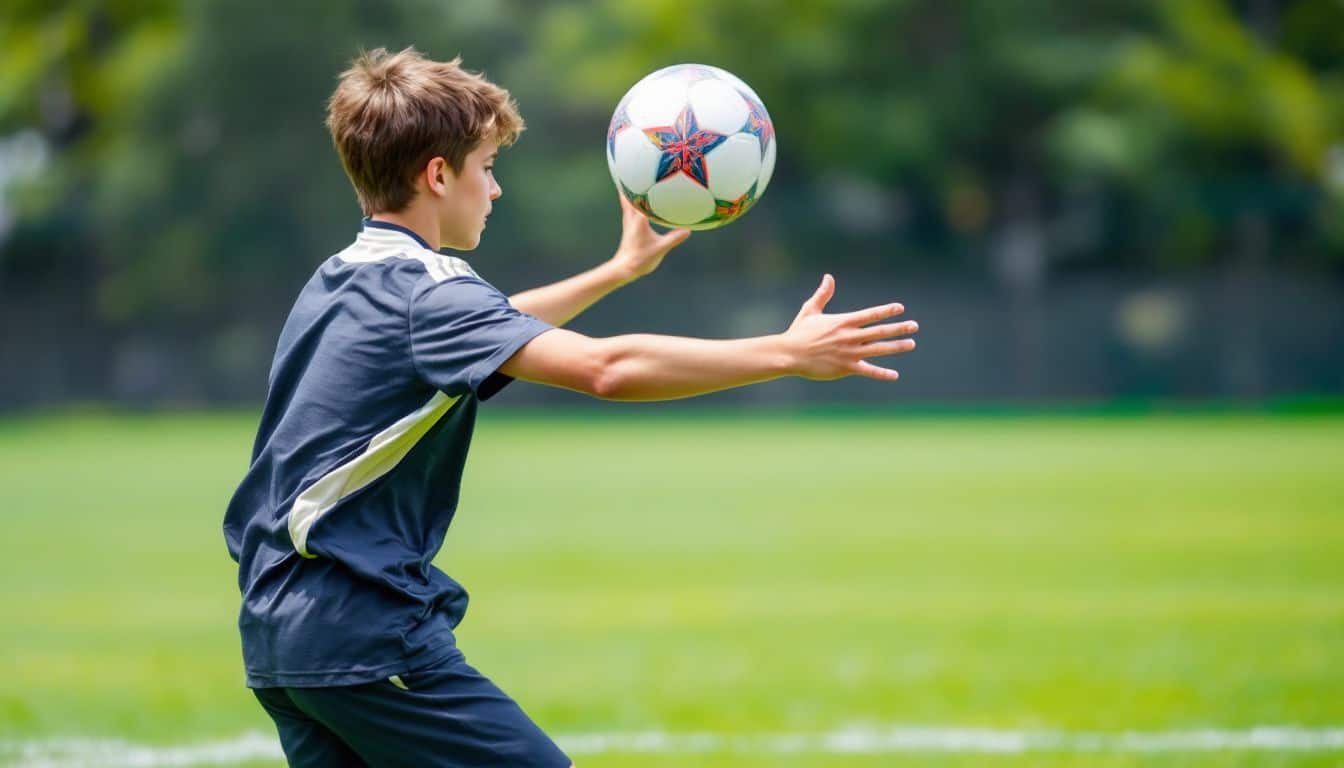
(385, 451)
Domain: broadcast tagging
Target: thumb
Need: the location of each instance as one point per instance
(626, 206)
(821, 298)
(674, 238)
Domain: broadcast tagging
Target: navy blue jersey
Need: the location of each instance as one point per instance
(358, 461)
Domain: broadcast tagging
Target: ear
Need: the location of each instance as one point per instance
(438, 176)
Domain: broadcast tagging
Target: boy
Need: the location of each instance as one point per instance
(347, 628)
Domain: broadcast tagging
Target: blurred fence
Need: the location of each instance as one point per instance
(1083, 338)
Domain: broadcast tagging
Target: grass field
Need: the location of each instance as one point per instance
(730, 577)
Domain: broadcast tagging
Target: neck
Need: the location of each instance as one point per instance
(419, 221)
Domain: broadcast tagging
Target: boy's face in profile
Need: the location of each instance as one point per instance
(463, 201)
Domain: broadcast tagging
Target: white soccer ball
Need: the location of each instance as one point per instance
(691, 146)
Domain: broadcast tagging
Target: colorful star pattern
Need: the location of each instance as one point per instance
(694, 72)
(684, 146)
(641, 202)
(758, 122)
(621, 120)
(731, 209)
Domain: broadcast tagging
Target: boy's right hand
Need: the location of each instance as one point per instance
(833, 346)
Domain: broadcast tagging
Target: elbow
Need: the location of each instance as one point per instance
(608, 374)
(607, 383)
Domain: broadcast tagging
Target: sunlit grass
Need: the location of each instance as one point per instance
(737, 576)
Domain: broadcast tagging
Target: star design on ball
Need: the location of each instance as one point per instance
(620, 121)
(693, 72)
(641, 202)
(684, 146)
(728, 209)
(758, 123)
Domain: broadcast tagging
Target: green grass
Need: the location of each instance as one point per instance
(739, 575)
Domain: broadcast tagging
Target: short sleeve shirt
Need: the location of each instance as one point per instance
(358, 461)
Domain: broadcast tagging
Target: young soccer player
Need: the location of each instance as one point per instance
(347, 627)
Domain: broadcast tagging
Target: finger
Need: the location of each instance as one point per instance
(881, 348)
(628, 208)
(865, 368)
(872, 314)
(886, 331)
(823, 295)
(674, 238)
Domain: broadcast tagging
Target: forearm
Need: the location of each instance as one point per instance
(816, 346)
(560, 302)
(649, 367)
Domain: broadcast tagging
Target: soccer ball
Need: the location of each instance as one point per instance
(691, 146)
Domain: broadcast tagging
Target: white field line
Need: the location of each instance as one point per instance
(254, 745)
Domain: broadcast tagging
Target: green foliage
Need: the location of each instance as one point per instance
(1217, 82)
(191, 167)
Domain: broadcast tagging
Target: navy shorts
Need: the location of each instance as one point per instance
(447, 715)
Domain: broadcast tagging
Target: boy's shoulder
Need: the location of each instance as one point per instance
(377, 284)
(404, 275)
(410, 259)
(422, 284)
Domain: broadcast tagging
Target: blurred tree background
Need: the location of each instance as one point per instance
(1078, 200)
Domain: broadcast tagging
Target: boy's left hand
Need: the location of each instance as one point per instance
(641, 249)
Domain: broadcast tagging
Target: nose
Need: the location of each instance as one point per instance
(495, 191)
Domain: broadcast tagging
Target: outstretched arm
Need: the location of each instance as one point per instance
(640, 252)
(650, 367)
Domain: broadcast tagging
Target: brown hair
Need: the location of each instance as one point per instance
(392, 113)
